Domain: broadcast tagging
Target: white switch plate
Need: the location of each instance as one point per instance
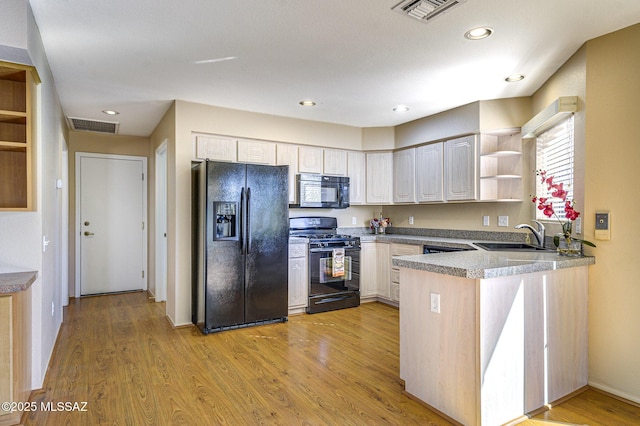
(435, 303)
(503, 220)
(485, 220)
(354, 221)
(410, 220)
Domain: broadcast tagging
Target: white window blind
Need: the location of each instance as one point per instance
(555, 155)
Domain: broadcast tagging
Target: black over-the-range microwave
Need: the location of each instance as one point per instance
(322, 191)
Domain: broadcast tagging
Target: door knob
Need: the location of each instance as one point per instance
(87, 233)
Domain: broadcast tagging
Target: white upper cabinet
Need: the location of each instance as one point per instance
(287, 155)
(310, 159)
(379, 177)
(218, 148)
(260, 152)
(460, 171)
(404, 163)
(356, 170)
(429, 173)
(335, 162)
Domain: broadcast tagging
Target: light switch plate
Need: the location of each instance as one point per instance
(485, 220)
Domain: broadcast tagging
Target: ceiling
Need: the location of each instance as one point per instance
(356, 59)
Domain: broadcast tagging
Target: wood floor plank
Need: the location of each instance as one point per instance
(120, 355)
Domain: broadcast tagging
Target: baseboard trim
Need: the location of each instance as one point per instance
(615, 394)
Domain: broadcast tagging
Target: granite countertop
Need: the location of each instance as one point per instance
(479, 264)
(13, 280)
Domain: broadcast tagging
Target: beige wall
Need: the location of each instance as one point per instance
(95, 143)
(612, 169)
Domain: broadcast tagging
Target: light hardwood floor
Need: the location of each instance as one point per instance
(119, 354)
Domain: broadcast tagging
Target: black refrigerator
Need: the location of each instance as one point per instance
(240, 237)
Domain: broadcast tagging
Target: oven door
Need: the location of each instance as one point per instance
(327, 277)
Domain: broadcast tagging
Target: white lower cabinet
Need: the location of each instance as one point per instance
(298, 278)
(374, 271)
(368, 273)
(399, 250)
(383, 271)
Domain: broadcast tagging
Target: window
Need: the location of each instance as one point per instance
(555, 155)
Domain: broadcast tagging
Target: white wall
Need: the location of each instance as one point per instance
(612, 159)
(22, 232)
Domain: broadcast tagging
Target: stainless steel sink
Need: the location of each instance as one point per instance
(501, 246)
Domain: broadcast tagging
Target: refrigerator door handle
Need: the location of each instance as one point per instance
(247, 221)
(242, 221)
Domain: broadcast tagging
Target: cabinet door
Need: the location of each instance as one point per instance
(217, 148)
(379, 177)
(404, 176)
(259, 152)
(335, 162)
(429, 162)
(310, 159)
(298, 287)
(368, 272)
(383, 270)
(287, 155)
(460, 169)
(356, 170)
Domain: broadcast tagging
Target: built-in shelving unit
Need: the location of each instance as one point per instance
(501, 167)
(15, 137)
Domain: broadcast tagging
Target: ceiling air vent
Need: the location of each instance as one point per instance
(87, 125)
(425, 10)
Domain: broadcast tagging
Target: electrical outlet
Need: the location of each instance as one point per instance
(485, 220)
(410, 220)
(435, 303)
(354, 221)
(578, 225)
(503, 220)
(53, 308)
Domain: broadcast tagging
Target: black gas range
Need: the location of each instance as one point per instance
(334, 263)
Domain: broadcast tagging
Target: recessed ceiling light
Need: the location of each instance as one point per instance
(478, 33)
(211, 61)
(307, 103)
(400, 108)
(514, 77)
(110, 112)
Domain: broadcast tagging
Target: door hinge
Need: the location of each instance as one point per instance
(142, 225)
(142, 274)
(143, 176)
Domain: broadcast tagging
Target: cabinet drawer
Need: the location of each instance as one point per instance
(297, 250)
(395, 292)
(405, 249)
(395, 275)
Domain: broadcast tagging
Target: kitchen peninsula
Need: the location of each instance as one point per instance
(486, 337)
(15, 339)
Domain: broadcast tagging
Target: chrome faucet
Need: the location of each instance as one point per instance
(539, 233)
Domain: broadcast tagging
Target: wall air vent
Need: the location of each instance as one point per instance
(425, 10)
(88, 125)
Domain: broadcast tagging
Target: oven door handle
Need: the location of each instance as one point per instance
(330, 249)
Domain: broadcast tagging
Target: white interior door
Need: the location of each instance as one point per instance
(111, 215)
